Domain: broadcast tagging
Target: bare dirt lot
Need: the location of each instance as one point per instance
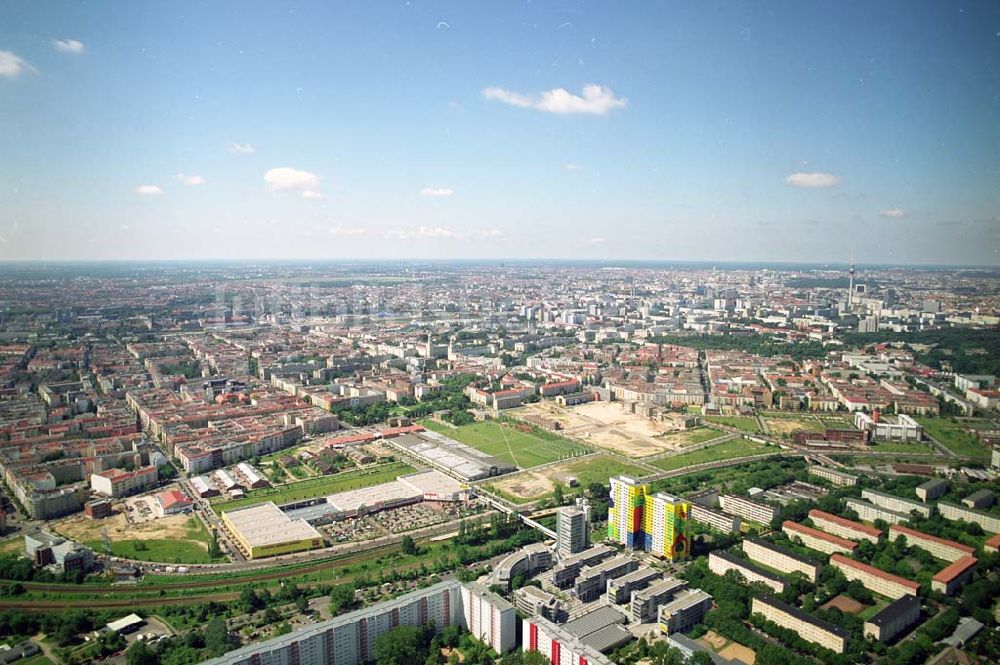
(779, 426)
(727, 648)
(84, 529)
(844, 604)
(607, 425)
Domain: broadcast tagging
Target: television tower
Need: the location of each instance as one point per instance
(850, 286)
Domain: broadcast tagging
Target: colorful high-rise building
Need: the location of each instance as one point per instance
(657, 523)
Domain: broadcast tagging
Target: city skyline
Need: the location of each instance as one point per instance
(785, 134)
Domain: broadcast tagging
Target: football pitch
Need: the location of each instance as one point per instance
(523, 449)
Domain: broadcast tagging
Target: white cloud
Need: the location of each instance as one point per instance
(192, 180)
(284, 179)
(313, 195)
(596, 241)
(12, 65)
(894, 213)
(348, 231)
(421, 232)
(68, 45)
(148, 190)
(240, 148)
(572, 167)
(437, 192)
(813, 180)
(596, 100)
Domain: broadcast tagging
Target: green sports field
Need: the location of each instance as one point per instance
(523, 449)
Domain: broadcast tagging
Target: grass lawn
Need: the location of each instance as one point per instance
(722, 451)
(37, 659)
(951, 436)
(314, 487)
(742, 423)
(692, 437)
(193, 548)
(523, 449)
(902, 447)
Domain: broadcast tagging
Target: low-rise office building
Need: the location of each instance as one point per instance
(593, 580)
(873, 579)
(526, 562)
(954, 576)
(566, 571)
(722, 562)
(531, 600)
(620, 589)
(894, 619)
(843, 527)
(685, 611)
(808, 627)
(946, 550)
(646, 603)
(818, 540)
(780, 558)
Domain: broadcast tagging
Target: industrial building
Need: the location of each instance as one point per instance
(808, 627)
(894, 619)
(875, 580)
(264, 530)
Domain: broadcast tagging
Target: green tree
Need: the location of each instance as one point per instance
(409, 546)
(140, 654)
(341, 598)
(403, 645)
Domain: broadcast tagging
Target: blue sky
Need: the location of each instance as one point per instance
(785, 131)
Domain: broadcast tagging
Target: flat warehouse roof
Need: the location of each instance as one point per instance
(266, 524)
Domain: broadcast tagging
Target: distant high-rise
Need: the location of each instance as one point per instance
(573, 528)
